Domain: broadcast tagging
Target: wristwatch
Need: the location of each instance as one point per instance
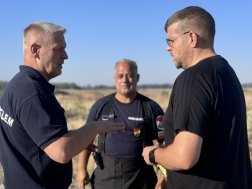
(151, 156)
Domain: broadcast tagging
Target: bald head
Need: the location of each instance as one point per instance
(40, 32)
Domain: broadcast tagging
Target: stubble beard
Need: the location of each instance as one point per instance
(178, 64)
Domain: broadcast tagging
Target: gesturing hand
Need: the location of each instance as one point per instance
(106, 126)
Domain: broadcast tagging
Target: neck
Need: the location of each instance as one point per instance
(125, 98)
(200, 54)
(33, 64)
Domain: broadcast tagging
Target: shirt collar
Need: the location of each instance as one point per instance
(36, 76)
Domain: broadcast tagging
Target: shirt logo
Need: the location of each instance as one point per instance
(6, 118)
(135, 118)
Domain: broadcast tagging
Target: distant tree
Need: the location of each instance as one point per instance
(66, 86)
(247, 85)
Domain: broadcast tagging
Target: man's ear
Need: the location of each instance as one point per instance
(138, 76)
(193, 39)
(35, 50)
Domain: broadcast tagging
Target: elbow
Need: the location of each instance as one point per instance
(60, 157)
(186, 162)
(186, 165)
(63, 160)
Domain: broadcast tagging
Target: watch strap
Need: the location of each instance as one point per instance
(152, 156)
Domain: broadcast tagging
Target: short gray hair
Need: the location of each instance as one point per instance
(127, 61)
(43, 28)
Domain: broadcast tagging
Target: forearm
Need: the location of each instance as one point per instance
(168, 158)
(182, 154)
(72, 143)
(83, 159)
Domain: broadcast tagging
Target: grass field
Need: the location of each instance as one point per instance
(77, 104)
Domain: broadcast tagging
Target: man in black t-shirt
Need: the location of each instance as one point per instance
(36, 147)
(205, 122)
(124, 166)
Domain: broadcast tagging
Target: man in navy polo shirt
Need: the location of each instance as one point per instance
(124, 166)
(36, 147)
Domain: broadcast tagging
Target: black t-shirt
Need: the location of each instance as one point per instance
(207, 100)
(31, 119)
(124, 144)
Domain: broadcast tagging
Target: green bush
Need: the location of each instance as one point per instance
(1, 90)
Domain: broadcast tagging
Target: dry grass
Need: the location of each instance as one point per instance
(88, 97)
(77, 104)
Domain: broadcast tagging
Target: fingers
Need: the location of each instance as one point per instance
(82, 178)
(81, 183)
(86, 181)
(106, 126)
(157, 145)
(157, 185)
(92, 147)
(160, 182)
(116, 126)
(146, 152)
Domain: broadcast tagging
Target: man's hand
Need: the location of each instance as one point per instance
(146, 152)
(106, 126)
(91, 147)
(82, 178)
(161, 183)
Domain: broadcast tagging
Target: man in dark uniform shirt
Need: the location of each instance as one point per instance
(124, 166)
(36, 147)
(205, 123)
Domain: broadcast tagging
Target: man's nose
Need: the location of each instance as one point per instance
(168, 48)
(64, 55)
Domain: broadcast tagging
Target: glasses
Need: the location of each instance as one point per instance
(169, 42)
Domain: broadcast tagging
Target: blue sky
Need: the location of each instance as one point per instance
(99, 33)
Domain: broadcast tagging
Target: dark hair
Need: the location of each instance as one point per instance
(195, 19)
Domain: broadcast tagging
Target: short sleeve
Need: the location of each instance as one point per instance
(43, 119)
(192, 100)
(92, 116)
(156, 111)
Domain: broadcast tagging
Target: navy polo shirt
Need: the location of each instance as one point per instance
(31, 119)
(124, 144)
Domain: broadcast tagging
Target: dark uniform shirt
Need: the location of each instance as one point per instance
(207, 100)
(31, 119)
(124, 144)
